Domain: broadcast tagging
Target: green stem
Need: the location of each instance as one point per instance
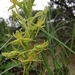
(2, 73)
(58, 41)
(72, 37)
(6, 43)
(46, 63)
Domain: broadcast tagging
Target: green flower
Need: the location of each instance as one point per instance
(11, 55)
(19, 38)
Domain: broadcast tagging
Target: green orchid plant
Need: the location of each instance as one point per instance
(22, 52)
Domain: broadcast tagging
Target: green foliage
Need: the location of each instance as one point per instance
(59, 34)
(22, 52)
(4, 30)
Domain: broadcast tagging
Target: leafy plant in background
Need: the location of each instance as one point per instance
(57, 50)
(22, 52)
(4, 30)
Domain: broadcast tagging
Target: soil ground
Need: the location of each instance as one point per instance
(72, 65)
